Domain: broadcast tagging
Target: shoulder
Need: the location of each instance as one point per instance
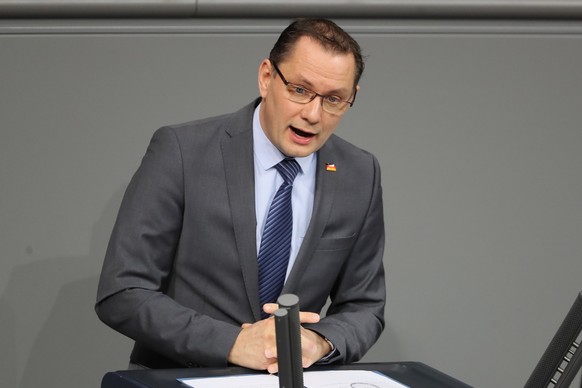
(349, 153)
(229, 124)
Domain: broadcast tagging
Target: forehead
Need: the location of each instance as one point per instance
(313, 65)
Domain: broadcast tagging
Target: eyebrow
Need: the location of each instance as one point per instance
(306, 82)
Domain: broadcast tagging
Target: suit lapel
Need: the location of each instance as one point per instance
(325, 186)
(237, 153)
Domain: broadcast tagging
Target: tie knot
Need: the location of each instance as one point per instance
(288, 168)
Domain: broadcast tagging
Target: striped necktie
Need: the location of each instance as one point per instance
(276, 241)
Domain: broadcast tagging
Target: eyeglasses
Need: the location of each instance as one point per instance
(301, 95)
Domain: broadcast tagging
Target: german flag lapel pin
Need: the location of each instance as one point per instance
(330, 167)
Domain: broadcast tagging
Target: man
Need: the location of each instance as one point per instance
(184, 271)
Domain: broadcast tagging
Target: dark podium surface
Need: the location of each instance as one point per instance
(413, 374)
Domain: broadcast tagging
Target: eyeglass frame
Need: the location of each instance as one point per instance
(315, 94)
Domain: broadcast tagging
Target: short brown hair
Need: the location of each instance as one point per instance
(327, 33)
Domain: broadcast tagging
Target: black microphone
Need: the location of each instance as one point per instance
(288, 332)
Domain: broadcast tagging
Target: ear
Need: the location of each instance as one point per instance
(265, 77)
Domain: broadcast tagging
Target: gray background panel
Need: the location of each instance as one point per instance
(476, 125)
(562, 9)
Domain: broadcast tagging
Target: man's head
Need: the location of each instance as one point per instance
(328, 34)
(312, 57)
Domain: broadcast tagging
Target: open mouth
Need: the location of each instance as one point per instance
(301, 133)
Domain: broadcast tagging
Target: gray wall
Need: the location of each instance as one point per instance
(476, 125)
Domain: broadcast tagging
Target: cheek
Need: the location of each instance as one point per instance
(288, 112)
(329, 126)
(275, 112)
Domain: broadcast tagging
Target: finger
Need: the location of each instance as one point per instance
(271, 353)
(270, 308)
(271, 356)
(307, 317)
(304, 316)
(273, 368)
(245, 325)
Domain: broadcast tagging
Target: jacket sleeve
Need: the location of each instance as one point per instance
(139, 259)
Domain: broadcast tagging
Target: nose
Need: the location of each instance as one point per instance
(312, 111)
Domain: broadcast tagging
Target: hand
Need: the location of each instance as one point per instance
(256, 347)
(313, 346)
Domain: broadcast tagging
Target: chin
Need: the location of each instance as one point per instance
(299, 153)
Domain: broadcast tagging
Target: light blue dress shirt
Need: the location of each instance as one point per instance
(268, 180)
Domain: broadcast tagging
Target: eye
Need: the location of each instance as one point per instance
(299, 90)
(334, 100)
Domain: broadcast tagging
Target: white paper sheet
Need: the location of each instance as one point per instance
(323, 379)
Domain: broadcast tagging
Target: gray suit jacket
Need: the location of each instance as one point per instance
(180, 273)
